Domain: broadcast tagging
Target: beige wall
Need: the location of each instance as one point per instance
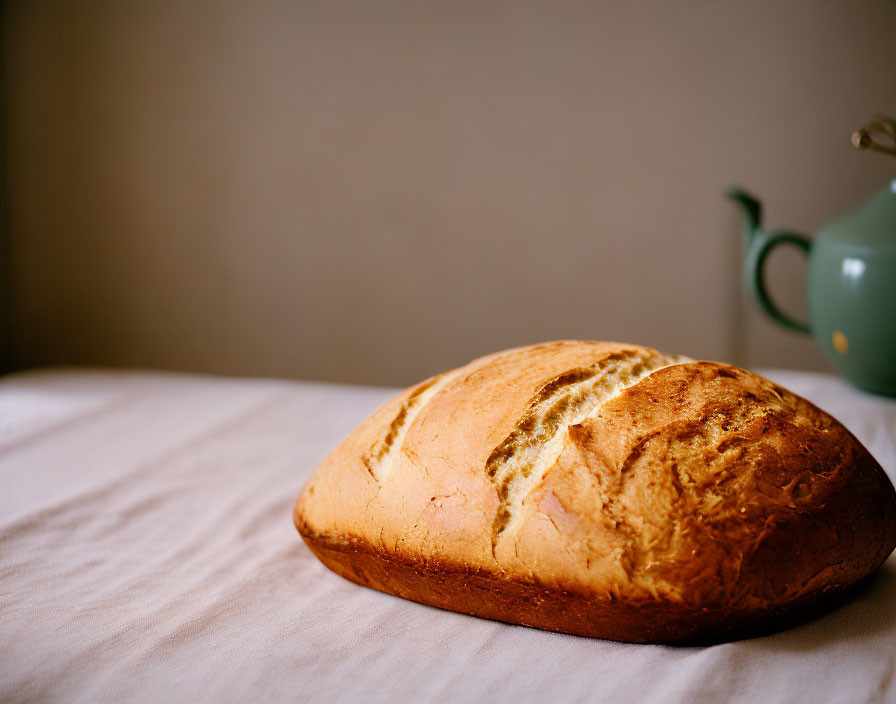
(376, 191)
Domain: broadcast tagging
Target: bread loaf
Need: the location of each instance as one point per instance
(606, 490)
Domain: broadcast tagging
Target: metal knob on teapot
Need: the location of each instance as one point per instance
(851, 282)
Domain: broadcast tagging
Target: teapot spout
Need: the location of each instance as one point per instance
(752, 215)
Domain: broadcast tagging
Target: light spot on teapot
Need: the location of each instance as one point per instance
(841, 344)
(852, 271)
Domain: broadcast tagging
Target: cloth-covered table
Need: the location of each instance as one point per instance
(147, 553)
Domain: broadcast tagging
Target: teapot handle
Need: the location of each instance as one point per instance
(759, 250)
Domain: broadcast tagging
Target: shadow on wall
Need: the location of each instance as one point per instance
(377, 193)
(5, 268)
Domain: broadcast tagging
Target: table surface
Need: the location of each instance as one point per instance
(147, 554)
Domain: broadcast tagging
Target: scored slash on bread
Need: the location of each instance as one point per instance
(520, 461)
(603, 489)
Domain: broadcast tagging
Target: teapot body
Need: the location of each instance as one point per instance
(852, 309)
(851, 286)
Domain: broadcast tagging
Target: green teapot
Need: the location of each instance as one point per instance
(851, 281)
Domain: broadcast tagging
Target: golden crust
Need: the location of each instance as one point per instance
(606, 490)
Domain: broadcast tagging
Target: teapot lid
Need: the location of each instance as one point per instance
(884, 125)
(873, 223)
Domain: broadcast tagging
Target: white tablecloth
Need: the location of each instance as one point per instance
(147, 554)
